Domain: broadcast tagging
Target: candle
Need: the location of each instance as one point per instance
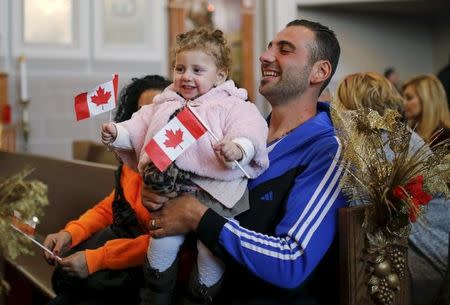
(23, 79)
(25, 119)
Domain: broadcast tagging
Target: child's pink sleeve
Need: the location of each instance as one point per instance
(245, 121)
(135, 130)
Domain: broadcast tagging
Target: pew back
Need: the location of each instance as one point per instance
(73, 187)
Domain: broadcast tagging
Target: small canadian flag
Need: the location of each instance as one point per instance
(174, 138)
(26, 226)
(101, 99)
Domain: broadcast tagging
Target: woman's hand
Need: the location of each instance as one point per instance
(75, 265)
(58, 243)
(178, 216)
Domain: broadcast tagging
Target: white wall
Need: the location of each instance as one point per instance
(373, 42)
(53, 126)
(441, 43)
(369, 42)
(55, 80)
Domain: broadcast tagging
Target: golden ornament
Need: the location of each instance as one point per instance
(393, 281)
(383, 269)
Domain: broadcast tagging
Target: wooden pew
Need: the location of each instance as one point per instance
(73, 187)
(353, 278)
(91, 151)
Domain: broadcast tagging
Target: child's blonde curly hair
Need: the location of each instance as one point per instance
(210, 41)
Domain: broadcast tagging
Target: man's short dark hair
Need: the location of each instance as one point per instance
(326, 48)
(129, 96)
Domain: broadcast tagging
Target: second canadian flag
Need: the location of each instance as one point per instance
(101, 99)
(174, 138)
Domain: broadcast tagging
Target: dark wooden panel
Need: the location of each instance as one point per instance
(73, 186)
(353, 278)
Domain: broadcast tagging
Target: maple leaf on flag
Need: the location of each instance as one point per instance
(101, 98)
(173, 138)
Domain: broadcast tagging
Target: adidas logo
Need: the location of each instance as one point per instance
(267, 196)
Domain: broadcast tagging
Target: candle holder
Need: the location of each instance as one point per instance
(25, 122)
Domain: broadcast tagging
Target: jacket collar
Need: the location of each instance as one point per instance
(316, 126)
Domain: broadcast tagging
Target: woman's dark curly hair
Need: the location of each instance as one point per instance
(129, 95)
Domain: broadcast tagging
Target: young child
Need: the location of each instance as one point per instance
(206, 169)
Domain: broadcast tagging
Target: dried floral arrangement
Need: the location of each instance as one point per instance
(395, 179)
(28, 197)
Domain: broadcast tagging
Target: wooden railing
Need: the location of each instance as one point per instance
(73, 187)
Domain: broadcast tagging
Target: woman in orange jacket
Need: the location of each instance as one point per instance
(126, 221)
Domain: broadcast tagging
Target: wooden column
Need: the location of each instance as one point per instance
(8, 131)
(8, 138)
(3, 91)
(177, 14)
(248, 79)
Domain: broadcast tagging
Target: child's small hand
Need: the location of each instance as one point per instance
(229, 150)
(109, 133)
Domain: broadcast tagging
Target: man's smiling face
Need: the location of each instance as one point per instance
(285, 65)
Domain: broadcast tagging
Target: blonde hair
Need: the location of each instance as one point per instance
(369, 90)
(210, 41)
(435, 113)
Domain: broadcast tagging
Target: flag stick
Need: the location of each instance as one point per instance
(217, 139)
(36, 242)
(115, 97)
(108, 147)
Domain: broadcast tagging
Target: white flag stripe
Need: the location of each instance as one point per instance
(174, 125)
(95, 109)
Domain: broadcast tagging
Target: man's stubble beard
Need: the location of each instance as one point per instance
(293, 84)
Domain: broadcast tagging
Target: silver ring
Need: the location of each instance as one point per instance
(153, 223)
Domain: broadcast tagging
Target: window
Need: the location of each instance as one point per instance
(48, 22)
(124, 31)
(50, 28)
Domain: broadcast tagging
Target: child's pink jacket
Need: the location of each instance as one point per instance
(226, 113)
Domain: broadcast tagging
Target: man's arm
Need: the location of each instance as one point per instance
(302, 237)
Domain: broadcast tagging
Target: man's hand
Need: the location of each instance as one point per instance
(178, 216)
(75, 265)
(109, 133)
(229, 150)
(153, 201)
(58, 243)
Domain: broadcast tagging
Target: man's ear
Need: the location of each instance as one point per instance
(321, 71)
(221, 77)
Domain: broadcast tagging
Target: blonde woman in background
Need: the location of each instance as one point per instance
(369, 90)
(428, 241)
(426, 108)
